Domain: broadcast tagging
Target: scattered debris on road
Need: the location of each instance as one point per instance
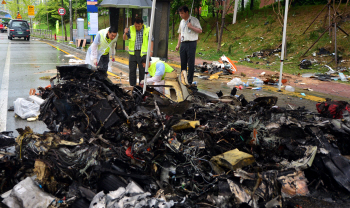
(225, 65)
(115, 147)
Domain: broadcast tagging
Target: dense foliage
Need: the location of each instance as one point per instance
(312, 2)
(47, 8)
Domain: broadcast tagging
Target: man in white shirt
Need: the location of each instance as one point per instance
(189, 29)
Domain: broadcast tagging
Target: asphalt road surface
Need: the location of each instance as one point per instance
(22, 64)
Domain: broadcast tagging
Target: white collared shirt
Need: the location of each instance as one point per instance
(186, 33)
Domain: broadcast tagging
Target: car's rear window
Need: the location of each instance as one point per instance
(20, 24)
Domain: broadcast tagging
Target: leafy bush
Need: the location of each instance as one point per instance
(310, 2)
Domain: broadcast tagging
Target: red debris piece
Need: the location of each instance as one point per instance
(129, 153)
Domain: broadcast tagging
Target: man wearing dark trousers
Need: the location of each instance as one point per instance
(138, 45)
(102, 47)
(189, 29)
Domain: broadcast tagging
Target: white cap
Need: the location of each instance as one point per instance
(154, 59)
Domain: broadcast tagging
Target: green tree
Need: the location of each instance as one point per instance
(21, 8)
(49, 10)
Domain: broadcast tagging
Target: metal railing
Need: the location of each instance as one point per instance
(40, 33)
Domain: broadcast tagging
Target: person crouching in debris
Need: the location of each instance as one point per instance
(157, 71)
(99, 51)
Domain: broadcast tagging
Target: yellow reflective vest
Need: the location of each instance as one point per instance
(105, 43)
(132, 40)
(152, 69)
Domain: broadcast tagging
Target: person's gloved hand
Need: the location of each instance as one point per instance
(113, 59)
(141, 83)
(95, 62)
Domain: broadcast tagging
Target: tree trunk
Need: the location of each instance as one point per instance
(251, 4)
(242, 5)
(222, 26)
(70, 21)
(198, 15)
(47, 17)
(65, 31)
(104, 20)
(217, 26)
(76, 15)
(173, 28)
(214, 6)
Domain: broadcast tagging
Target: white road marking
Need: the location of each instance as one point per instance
(36, 63)
(4, 91)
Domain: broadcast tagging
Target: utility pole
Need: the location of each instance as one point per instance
(62, 24)
(283, 43)
(70, 22)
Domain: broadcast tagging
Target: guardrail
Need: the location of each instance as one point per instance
(41, 33)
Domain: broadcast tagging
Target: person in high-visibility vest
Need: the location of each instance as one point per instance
(157, 71)
(100, 50)
(138, 45)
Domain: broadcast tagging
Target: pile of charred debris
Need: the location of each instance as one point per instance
(117, 147)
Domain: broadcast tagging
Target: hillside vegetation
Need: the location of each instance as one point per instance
(260, 30)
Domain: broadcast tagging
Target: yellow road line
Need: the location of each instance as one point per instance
(122, 60)
(175, 65)
(109, 73)
(308, 97)
(60, 49)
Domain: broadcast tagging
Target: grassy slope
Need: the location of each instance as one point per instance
(250, 34)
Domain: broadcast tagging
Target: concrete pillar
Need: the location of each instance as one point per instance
(114, 19)
(161, 29)
(113, 16)
(124, 18)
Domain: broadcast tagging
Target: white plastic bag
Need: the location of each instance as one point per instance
(36, 99)
(235, 82)
(110, 65)
(25, 108)
(27, 194)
